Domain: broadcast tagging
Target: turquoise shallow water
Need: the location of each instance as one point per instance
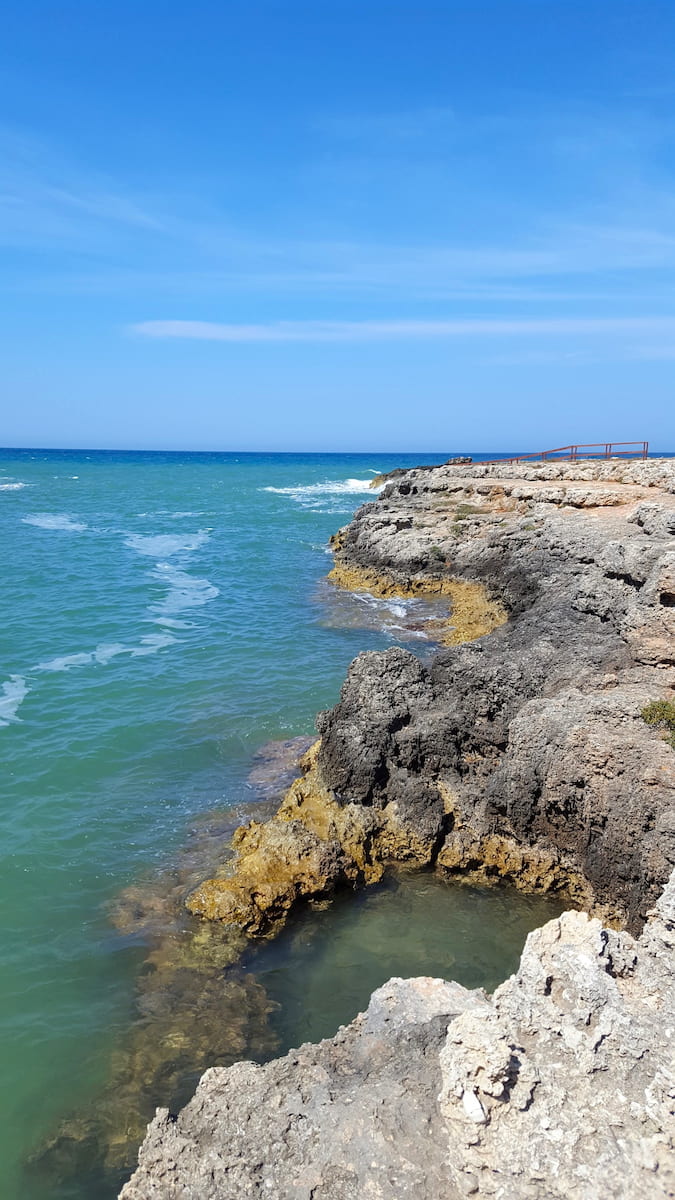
(163, 616)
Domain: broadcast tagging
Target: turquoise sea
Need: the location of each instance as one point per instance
(163, 617)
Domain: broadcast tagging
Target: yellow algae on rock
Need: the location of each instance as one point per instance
(480, 859)
(276, 864)
(310, 847)
(473, 613)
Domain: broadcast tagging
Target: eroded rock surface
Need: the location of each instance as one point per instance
(564, 1085)
(527, 745)
(560, 1085)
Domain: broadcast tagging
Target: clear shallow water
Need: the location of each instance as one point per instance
(162, 616)
(322, 971)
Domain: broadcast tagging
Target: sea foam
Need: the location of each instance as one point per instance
(163, 545)
(185, 591)
(327, 488)
(66, 661)
(151, 643)
(13, 692)
(327, 497)
(106, 651)
(54, 521)
(12, 487)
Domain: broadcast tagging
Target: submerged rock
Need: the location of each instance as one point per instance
(194, 1006)
(354, 1116)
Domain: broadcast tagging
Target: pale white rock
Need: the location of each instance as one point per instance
(587, 1113)
(473, 1107)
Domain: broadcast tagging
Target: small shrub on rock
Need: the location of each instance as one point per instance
(661, 713)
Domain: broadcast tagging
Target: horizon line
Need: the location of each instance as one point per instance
(170, 450)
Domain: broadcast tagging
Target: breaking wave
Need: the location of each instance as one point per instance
(328, 488)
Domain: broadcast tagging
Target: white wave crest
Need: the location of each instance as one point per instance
(54, 521)
(14, 690)
(163, 545)
(330, 487)
(12, 487)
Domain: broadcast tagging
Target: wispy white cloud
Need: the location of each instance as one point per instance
(187, 283)
(358, 331)
(104, 205)
(615, 250)
(567, 264)
(47, 200)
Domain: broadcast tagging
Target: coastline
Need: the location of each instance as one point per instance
(523, 755)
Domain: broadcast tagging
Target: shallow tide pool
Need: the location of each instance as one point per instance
(322, 971)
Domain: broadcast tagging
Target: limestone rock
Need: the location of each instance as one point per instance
(354, 1116)
(572, 1066)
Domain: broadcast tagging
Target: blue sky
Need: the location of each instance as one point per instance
(337, 225)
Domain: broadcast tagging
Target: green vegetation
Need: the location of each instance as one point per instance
(466, 510)
(436, 552)
(661, 713)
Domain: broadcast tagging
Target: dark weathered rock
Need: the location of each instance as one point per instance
(522, 755)
(533, 735)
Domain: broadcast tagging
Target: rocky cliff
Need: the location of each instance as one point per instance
(525, 754)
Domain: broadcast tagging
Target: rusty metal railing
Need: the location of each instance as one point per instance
(582, 451)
